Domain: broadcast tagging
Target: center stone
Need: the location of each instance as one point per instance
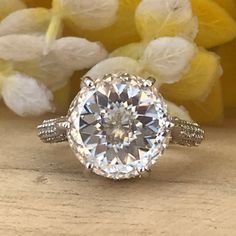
(118, 126)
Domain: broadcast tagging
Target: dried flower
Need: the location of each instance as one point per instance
(26, 96)
(157, 18)
(23, 61)
(165, 58)
(216, 27)
(26, 21)
(194, 78)
(191, 80)
(92, 15)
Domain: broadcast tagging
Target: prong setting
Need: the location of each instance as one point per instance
(149, 82)
(88, 81)
(89, 166)
(144, 172)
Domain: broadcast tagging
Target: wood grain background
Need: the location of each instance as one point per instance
(45, 191)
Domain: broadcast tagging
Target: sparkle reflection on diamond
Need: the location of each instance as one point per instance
(118, 126)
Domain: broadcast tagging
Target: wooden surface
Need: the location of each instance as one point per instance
(45, 191)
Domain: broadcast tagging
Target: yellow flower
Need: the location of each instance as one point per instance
(216, 26)
(207, 22)
(156, 19)
(194, 85)
(165, 58)
(121, 32)
(227, 53)
(228, 60)
(229, 6)
(83, 14)
(209, 111)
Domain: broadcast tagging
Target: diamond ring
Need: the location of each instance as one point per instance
(118, 126)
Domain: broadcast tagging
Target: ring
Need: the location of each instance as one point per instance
(118, 126)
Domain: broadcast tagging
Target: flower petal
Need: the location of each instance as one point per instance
(204, 71)
(25, 96)
(114, 65)
(34, 20)
(132, 50)
(156, 18)
(216, 26)
(8, 6)
(47, 69)
(168, 58)
(77, 53)
(92, 15)
(20, 47)
(67, 54)
(177, 111)
(210, 111)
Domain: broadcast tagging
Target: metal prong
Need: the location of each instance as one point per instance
(88, 169)
(144, 172)
(63, 125)
(150, 81)
(89, 166)
(125, 75)
(87, 81)
(169, 124)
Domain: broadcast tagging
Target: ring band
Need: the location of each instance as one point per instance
(118, 126)
(183, 132)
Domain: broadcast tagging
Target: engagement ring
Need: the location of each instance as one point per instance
(118, 126)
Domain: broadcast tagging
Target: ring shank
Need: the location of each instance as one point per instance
(186, 133)
(183, 132)
(53, 130)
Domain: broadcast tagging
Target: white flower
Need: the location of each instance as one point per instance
(26, 96)
(157, 18)
(166, 59)
(26, 21)
(92, 14)
(114, 65)
(23, 57)
(80, 14)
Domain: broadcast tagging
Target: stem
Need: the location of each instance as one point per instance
(54, 29)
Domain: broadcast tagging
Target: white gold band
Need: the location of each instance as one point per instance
(182, 132)
(53, 130)
(186, 133)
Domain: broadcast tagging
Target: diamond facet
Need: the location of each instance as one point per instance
(118, 126)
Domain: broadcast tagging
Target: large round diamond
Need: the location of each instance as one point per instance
(118, 126)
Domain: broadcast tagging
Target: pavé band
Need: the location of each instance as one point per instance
(182, 132)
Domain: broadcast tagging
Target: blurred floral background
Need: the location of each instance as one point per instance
(189, 46)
